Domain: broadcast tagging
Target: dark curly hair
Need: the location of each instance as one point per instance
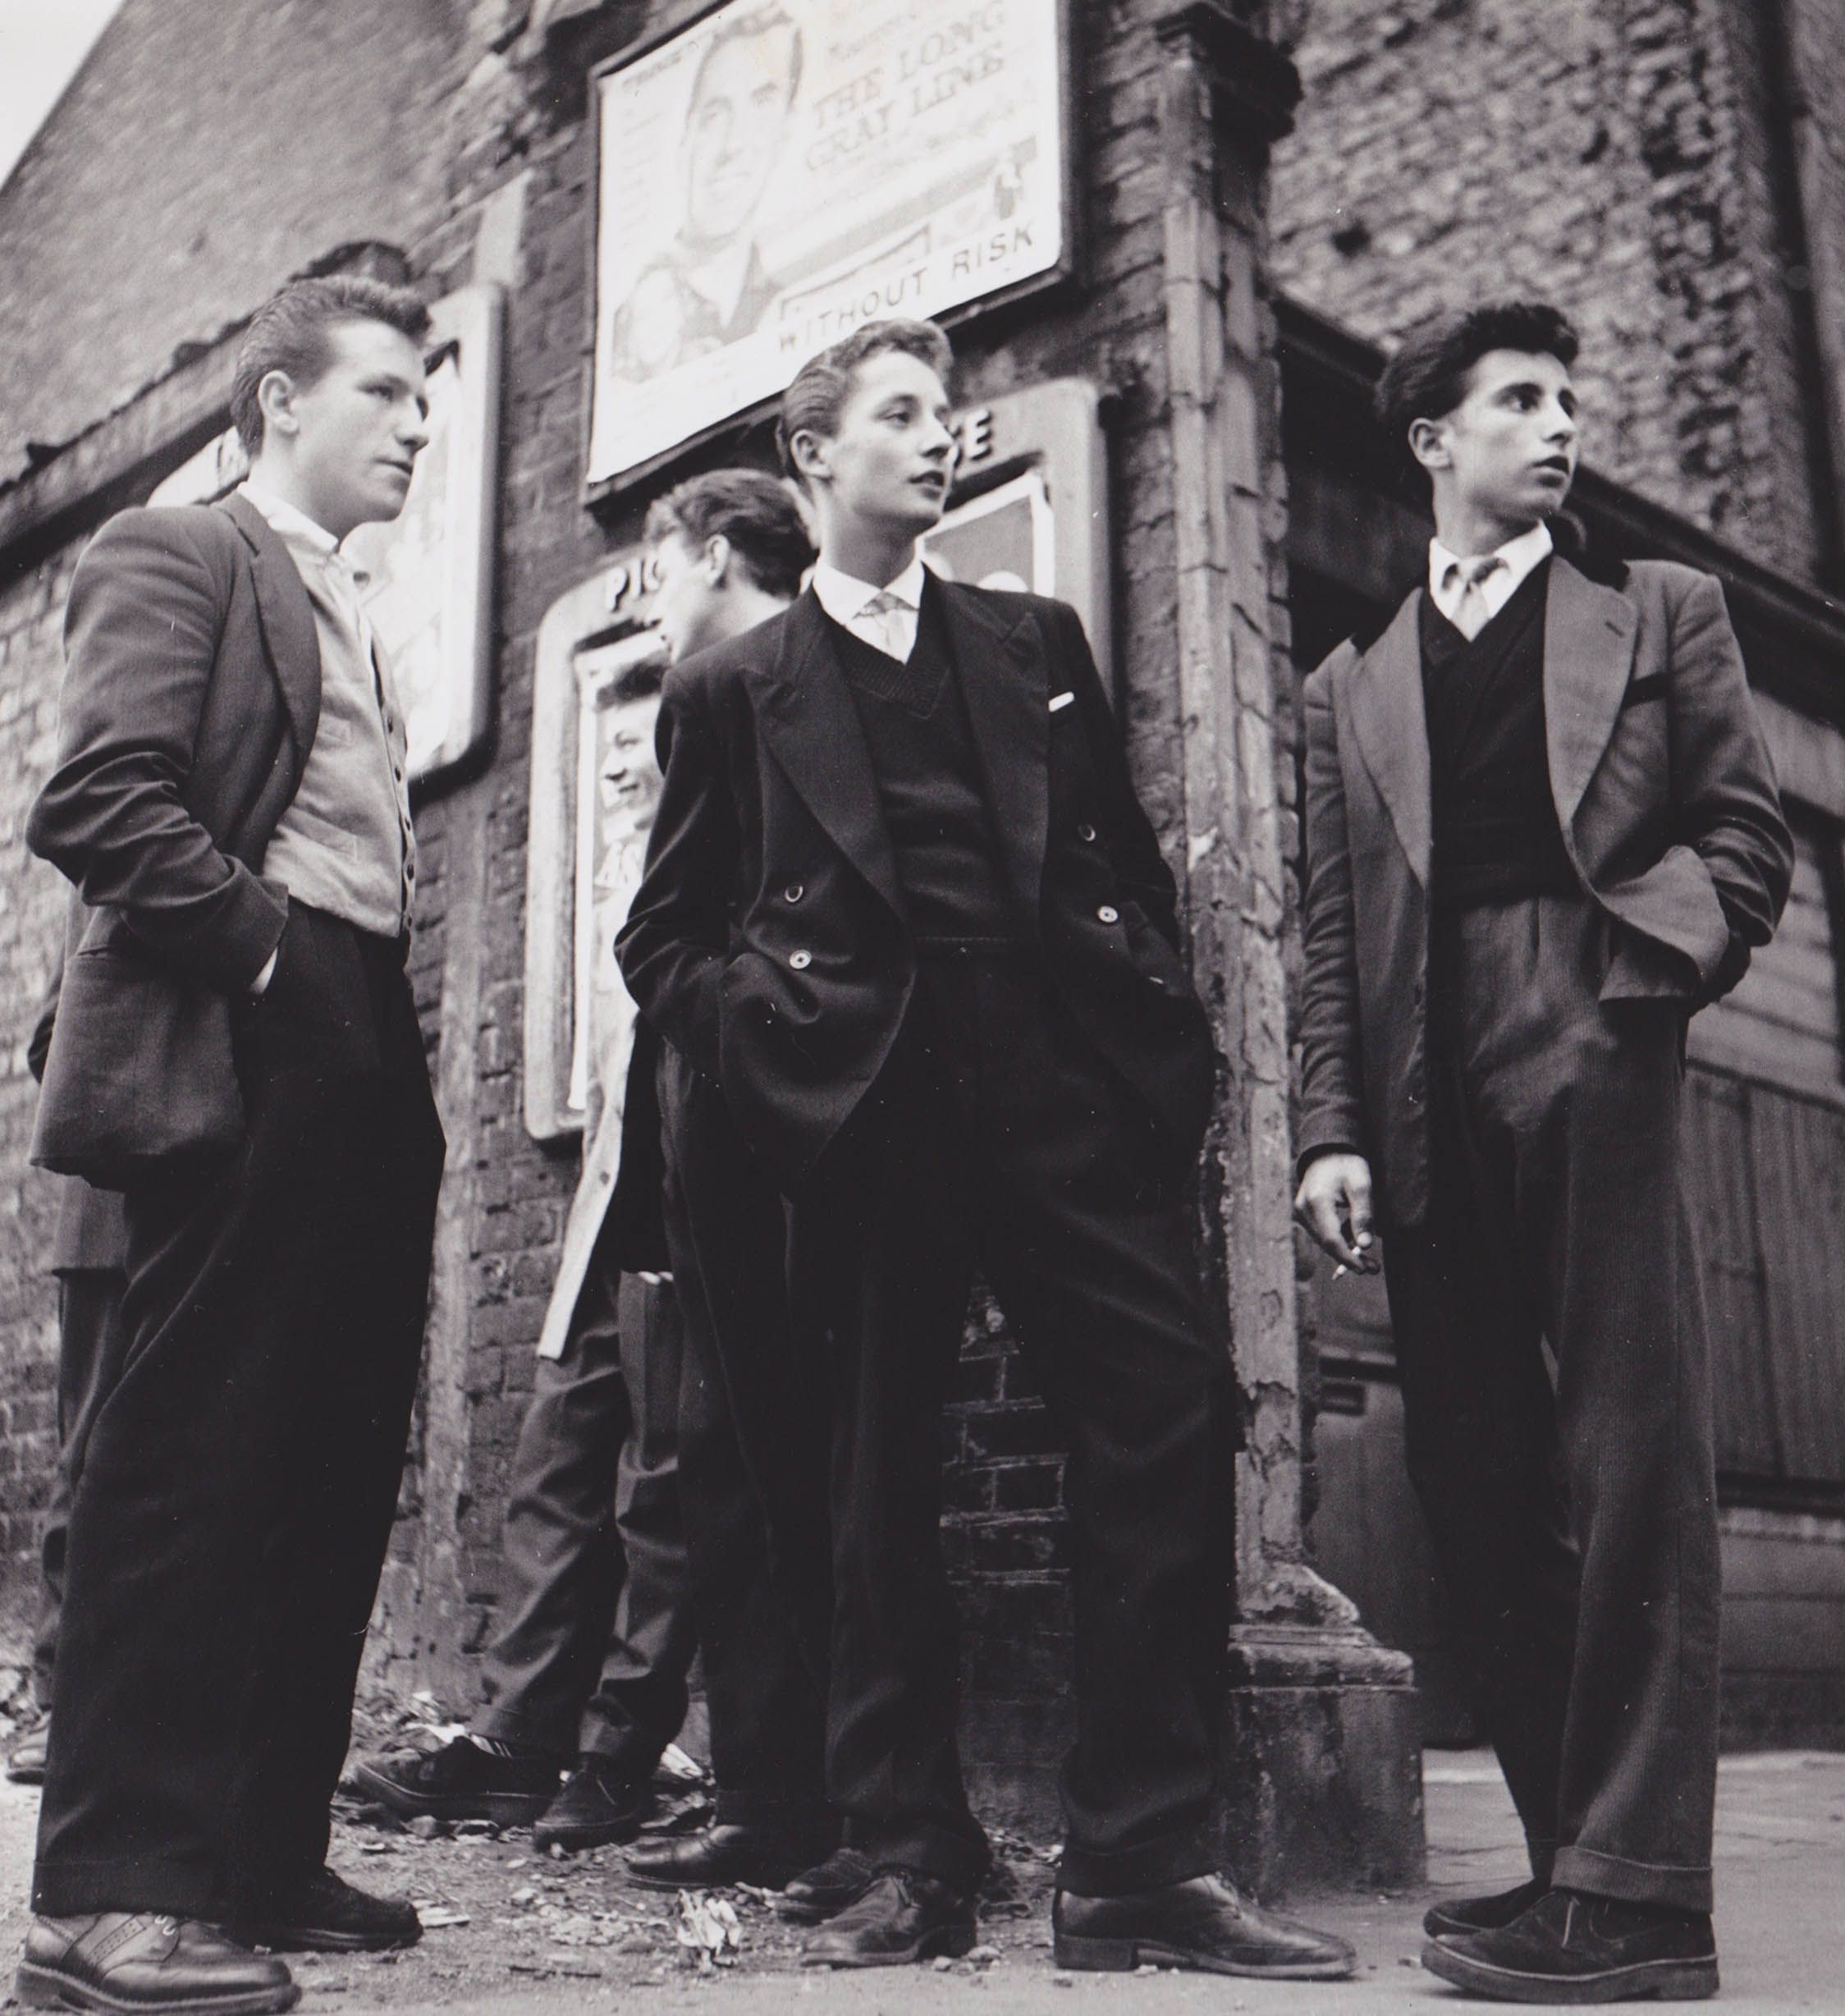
(1427, 377)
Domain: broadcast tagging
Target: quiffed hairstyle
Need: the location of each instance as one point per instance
(754, 27)
(821, 387)
(757, 513)
(289, 332)
(1427, 377)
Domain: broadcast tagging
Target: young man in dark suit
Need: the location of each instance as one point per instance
(1541, 831)
(902, 906)
(236, 1050)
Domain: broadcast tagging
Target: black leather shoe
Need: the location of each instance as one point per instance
(461, 1781)
(329, 1915)
(728, 1853)
(603, 1800)
(1570, 1949)
(827, 1888)
(1462, 1915)
(129, 1960)
(26, 1761)
(902, 1916)
(1202, 1924)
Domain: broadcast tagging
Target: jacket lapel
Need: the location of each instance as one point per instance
(1391, 727)
(808, 723)
(999, 655)
(1588, 647)
(286, 614)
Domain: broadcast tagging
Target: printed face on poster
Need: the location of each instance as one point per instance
(781, 170)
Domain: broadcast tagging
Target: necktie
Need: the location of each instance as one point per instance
(1470, 612)
(883, 620)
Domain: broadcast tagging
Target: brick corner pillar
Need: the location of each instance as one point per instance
(1322, 1767)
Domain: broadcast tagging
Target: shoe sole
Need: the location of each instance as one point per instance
(1677, 1981)
(505, 1809)
(574, 1840)
(39, 1987)
(25, 1774)
(949, 1942)
(322, 1939)
(1122, 1956)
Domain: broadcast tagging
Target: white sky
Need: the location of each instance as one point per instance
(42, 42)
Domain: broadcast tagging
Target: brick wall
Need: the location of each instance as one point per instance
(32, 899)
(1616, 156)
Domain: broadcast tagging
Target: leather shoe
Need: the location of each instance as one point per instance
(1203, 1924)
(327, 1914)
(129, 1960)
(1462, 1915)
(26, 1761)
(827, 1888)
(730, 1852)
(902, 1916)
(461, 1781)
(603, 1800)
(1571, 1948)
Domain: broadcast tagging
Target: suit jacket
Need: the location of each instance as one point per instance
(768, 941)
(1664, 795)
(190, 699)
(89, 1235)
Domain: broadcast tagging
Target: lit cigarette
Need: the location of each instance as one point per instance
(1342, 1268)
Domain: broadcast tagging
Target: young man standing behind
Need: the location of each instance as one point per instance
(902, 906)
(236, 1050)
(1542, 831)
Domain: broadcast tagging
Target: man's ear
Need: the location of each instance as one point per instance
(275, 399)
(1428, 442)
(717, 558)
(810, 454)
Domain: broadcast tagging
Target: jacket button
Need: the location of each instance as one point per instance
(1086, 833)
(800, 961)
(1109, 914)
(793, 892)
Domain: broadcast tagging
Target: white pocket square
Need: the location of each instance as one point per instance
(1060, 699)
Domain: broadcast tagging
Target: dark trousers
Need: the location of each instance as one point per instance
(598, 1632)
(994, 1138)
(1574, 1510)
(753, 1468)
(239, 1488)
(89, 1352)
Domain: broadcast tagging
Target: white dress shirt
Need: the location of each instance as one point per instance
(1451, 575)
(889, 626)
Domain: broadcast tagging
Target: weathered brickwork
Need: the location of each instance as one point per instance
(1617, 156)
(31, 922)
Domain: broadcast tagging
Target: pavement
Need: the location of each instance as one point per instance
(512, 1935)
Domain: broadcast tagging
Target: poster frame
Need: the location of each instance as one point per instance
(601, 493)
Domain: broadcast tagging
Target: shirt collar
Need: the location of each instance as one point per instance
(1519, 555)
(294, 526)
(843, 597)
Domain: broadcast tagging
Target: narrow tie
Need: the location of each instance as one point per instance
(1470, 612)
(884, 612)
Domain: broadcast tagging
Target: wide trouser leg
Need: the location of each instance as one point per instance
(753, 1468)
(1481, 1433)
(997, 1132)
(640, 1700)
(560, 1558)
(882, 1255)
(90, 1345)
(240, 1481)
(1563, 1121)
(1087, 1237)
